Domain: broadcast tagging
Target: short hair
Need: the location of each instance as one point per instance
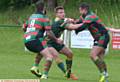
(39, 6)
(58, 8)
(84, 5)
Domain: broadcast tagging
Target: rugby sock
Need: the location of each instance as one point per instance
(47, 67)
(105, 69)
(69, 65)
(104, 66)
(100, 64)
(61, 66)
(36, 64)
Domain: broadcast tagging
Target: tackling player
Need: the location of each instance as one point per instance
(91, 22)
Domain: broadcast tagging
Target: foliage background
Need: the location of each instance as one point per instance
(15, 12)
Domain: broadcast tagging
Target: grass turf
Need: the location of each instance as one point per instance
(15, 62)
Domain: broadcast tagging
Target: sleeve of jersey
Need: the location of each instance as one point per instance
(90, 19)
(47, 25)
(87, 21)
(83, 27)
(80, 20)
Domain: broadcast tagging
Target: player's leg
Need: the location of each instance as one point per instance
(105, 41)
(34, 68)
(97, 55)
(60, 64)
(101, 56)
(104, 74)
(34, 46)
(40, 46)
(38, 58)
(68, 53)
(96, 50)
(58, 60)
(48, 57)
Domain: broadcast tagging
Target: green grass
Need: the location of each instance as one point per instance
(15, 62)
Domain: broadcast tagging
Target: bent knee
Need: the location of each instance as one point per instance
(69, 55)
(93, 56)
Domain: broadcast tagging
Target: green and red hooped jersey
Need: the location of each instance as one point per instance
(36, 26)
(93, 24)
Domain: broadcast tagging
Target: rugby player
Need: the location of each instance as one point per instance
(34, 38)
(92, 23)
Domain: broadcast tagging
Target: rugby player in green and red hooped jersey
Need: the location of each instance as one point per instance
(34, 40)
(92, 23)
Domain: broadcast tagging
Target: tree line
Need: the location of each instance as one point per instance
(51, 4)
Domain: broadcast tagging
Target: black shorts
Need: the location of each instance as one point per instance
(102, 41)
(36, 45)
(55, 45)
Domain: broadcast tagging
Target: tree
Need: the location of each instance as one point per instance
(4, 4)
(114, 2)
(52, 4)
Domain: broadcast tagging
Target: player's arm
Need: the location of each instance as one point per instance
(78, 21)
(25, 25)
(50, 34)
(85, 24)
(82, 27)
(73, 26)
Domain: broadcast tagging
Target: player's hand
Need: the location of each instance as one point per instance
(76, 21)
(59, 41)
(69, 20)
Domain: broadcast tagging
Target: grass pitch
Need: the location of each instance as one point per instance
(15, 62)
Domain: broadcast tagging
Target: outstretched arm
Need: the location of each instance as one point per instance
(82, 27)
(73, 26)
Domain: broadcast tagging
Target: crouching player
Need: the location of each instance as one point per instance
(34, 39)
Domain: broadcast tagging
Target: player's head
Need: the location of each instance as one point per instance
(40, 7)
(84, 8)
(60, 13)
